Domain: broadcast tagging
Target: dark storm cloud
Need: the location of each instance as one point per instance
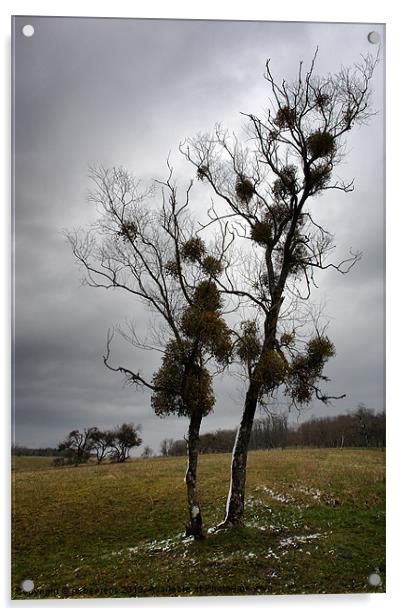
(127, 92)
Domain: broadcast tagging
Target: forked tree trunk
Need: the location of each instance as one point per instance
(235, 503)
(194, 527)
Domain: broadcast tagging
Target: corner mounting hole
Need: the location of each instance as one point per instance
(27, 585)
(28, 30)
(374, 579)
(374, 37)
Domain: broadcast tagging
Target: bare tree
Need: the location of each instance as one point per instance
(269, 185)
(154, 254)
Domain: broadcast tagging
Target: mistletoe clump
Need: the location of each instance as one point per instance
(181, 386)
(306, 369)
(261, 233)
(202, 172)
(280, 212)
(172, 269)
(319, 177)
(248, 346)
(212, 266)
(286, 184)
(202, 323)
(193, 250)
(286, 339)
(271, 371)
(319, 350)
(244, 190)
(206, 296)
(322, 100)
(286, 117)
(128, 231)
(321, 144)
(209, 330)
(298, 257)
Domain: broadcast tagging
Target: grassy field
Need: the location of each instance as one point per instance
(315, 523)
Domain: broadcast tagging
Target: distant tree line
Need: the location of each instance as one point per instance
(360, 428)
(21, 450)
(115, 445)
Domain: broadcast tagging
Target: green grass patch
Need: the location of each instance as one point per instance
(315, 523)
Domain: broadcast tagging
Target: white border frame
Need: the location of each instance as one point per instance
(339, 11)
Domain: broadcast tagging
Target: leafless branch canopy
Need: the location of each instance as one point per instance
(136, 246)
(269, 184)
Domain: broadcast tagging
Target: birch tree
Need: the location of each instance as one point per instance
(267, 188)
(145, 245)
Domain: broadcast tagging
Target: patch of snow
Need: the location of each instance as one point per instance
(282, 498)
(306, 538)
(271, 554)
(163, 545)
(318, 495)
(288, 543)
(292, 542)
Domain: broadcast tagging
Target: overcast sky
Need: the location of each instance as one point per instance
(126, 92)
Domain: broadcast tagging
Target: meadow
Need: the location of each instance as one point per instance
(315, 523)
